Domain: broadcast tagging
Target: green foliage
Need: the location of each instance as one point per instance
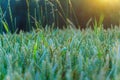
(53, 54)
(98, 25)
(5, 25)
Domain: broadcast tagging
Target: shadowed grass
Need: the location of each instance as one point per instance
(40, 16)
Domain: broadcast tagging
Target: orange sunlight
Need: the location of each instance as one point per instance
(108, 3)
(105, 4)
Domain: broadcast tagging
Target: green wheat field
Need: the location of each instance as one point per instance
(54, 54)
(51, 53)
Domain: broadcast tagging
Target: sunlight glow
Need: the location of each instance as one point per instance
(111, 2)
(108, 4)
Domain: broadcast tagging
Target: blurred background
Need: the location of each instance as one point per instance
(24, 15)
(93, 9)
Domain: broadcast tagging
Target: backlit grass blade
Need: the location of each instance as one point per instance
(35, 50)
(5, 25)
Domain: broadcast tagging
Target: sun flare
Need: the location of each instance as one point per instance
(109, 4)
(112, 2)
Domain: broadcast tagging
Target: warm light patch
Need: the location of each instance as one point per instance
(112, 2)
(106, 4)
